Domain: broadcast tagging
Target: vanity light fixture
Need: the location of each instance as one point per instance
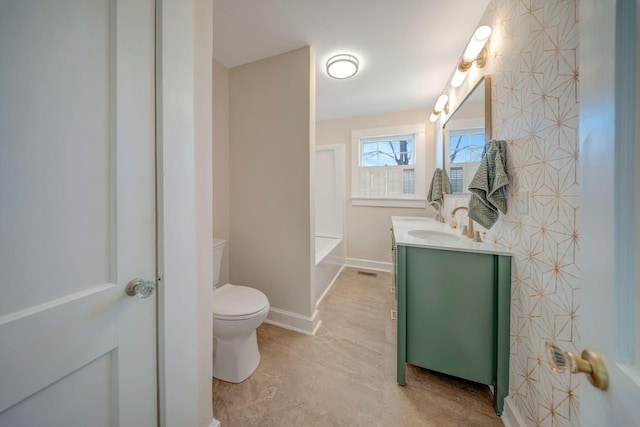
(342, 66)
(475, 52)
(441, 105)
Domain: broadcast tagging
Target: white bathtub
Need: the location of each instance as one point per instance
(324, 246)
(329, 263)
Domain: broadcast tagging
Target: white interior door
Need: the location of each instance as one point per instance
(77, 212)
(609, 314)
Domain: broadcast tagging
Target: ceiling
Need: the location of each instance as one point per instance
(407, 49)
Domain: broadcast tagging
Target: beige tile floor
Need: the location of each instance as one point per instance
(345, 375)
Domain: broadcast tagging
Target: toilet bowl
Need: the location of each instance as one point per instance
(237, 312)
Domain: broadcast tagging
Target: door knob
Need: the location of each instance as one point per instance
(140, 288)
(590, 364)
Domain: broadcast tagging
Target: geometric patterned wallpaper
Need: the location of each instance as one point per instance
(534, 73)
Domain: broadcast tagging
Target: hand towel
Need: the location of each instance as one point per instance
(439, 184)
(488, 185)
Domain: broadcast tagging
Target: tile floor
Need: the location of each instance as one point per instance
(345, 375)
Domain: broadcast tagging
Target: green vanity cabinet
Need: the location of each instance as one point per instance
(453, 314)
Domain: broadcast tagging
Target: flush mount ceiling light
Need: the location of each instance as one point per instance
(342, 66)
(475, 52)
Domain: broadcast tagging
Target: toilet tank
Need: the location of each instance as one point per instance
(218, 248)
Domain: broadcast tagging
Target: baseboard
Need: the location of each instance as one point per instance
(294, 321)
(369, 265)
(326, 291)
(214, 423)
(510, 416)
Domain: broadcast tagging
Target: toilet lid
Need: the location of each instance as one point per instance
(232, 300)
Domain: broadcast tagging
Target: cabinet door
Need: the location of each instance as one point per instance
(450, 313)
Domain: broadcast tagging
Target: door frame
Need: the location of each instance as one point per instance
(183, 60)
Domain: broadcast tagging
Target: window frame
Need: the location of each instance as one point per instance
(453, 126)
(418, 198)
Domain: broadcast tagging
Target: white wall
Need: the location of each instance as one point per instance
(367, 233)
(472, 115)
(271, 154)
(330, 191)
(221, 203)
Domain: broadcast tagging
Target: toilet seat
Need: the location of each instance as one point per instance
(232, 302)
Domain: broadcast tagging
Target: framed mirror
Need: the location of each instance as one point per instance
(464, 135)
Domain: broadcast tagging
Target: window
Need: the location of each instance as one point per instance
(455, 176)
(464, 151)
(466, 145)
(396, 150)
(388, 167)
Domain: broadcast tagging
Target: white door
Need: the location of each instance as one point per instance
(77, 212)
(609, 310)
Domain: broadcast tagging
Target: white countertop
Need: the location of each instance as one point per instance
(403, 224)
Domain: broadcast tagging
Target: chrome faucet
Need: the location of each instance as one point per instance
(470, 232)
(439, 216)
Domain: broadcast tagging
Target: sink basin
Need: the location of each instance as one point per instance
(425, 219)
(435, 235)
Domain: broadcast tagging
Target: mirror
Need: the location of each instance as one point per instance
(464, 135)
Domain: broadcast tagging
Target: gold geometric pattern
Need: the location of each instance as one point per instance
(533, 67)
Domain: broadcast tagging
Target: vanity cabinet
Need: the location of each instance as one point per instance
(453, 314)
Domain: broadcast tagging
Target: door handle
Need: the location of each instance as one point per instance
(140, 288)
(590, 364)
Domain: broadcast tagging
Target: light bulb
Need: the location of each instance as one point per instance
(441, 103)
(458, 78)
(476, 43)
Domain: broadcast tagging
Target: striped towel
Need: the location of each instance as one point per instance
(439, 184)
(488, 185)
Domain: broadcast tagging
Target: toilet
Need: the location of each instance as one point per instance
(237, 312)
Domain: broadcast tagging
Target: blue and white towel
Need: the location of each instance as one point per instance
(488, 185)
